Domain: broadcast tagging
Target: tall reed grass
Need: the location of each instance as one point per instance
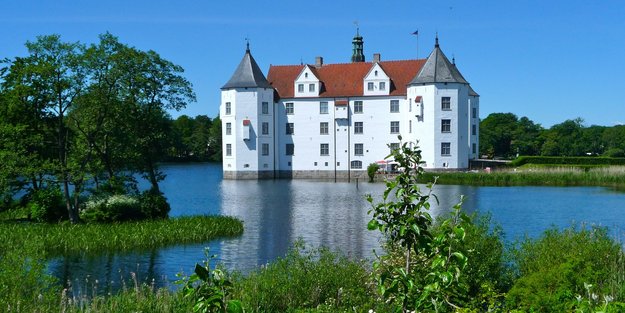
(66, 238)
(612, 176)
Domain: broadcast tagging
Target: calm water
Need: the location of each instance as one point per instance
(276, 213)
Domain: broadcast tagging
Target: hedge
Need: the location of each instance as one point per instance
(567, 160)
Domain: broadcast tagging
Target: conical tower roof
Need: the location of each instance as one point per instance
(247, 75)
(438, 69)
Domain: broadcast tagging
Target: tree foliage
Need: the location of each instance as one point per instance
(503, 135)
(72, 113)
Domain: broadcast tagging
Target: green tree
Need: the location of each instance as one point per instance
(214, 141)
(497, 132)
(151, 85)
(428, 277)
(526, 137)
(613, 140)
(48, 81)
(564, 139)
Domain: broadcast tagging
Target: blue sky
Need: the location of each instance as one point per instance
(547, 60)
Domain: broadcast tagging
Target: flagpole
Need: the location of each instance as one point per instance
(416, 33)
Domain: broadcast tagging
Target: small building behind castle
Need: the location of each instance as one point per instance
(333, 120)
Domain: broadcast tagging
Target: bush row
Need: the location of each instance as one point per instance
(567, 160)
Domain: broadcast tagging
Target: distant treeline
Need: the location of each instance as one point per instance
(194, 139)
(504, 135)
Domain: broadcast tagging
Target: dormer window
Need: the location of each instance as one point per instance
(300, 87)
(370, 86)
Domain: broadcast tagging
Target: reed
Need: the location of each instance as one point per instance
(536, 176)
(65, 238)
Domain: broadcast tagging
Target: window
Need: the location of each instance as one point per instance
(265, 148)
(228, 149)
(300, 87)
(323, 107)
(446, 103)
(311, 87)
(356, 164)
(289, 108)
(290, 149)
(474, 112)
(357, 106)
(358, 149)
(358, 128)
(323, 128)
(445, 126)
(473, 148)
(228, 128)
(370, 86)
(265, 107)
(265, 128)
(324, 149)
(410, 126)
(382, 85)
(445, 148)
(473, 130)
(290, 128)
(394, 106)
(228, 108)
(395, 127)
(394, 146)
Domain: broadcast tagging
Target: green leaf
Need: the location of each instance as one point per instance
(373, 225)
(234, 306)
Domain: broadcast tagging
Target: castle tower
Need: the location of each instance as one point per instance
(446, 120)
(358, 47)
(246, 111)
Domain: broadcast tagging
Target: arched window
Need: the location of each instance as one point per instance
(357, 164)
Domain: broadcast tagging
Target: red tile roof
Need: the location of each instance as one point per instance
(344, 79)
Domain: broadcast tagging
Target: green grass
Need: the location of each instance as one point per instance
(66, 238)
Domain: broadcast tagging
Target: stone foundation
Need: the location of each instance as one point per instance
(324, 175)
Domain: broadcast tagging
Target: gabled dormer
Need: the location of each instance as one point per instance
(307, 83)
(376, 82)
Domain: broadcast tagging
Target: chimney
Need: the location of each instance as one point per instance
(376, 57)
(318, 61)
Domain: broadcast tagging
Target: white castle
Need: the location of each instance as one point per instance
(333, 120)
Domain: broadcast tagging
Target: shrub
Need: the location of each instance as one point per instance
(115, 208)
(154, 205)
(371, 170)
(554, 270)
(47, 205)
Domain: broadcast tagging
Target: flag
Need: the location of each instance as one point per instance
(416, 32)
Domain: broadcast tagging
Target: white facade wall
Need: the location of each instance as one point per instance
(418, 123)
(474, 121)
(246, 154)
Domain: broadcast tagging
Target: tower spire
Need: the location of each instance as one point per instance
(436, 43)
(357, 46)
(247, 44)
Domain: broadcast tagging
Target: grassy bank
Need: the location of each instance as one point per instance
(571, 270)
(536, 176)
(25, 246)
(69, 238)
